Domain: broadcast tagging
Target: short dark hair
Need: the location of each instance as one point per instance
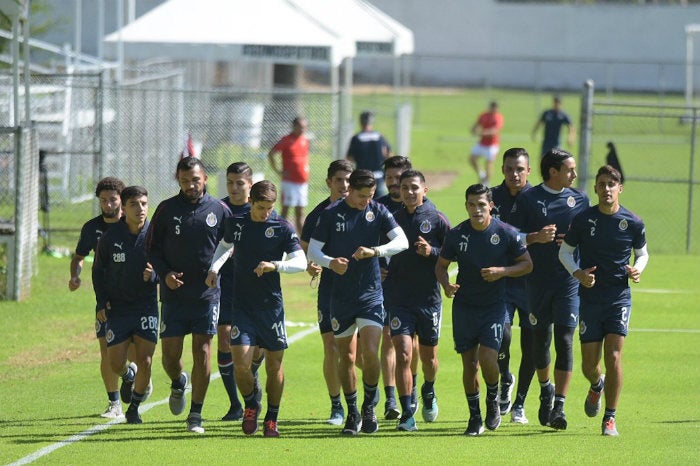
(553, 158)
(189, 163)
(109, 183)
(240, 168)
(341, 165)
(366, 118)
(298, 119)
(397, 161)
(133, 191)
(478, 190)
(610, 171)
(514, 153)
(263, 191)
(410, 173)
(362, 178)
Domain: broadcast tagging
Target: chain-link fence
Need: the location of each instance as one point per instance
(656, 146)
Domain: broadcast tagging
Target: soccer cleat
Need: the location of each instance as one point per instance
(132, 415)
(546, 404)
(148, 391)
(517, 415)
(493, 414)
(233, 414)
(113, 411)
(504, 394)
(369, 420)
(270, 429)
(352, 424)
(250, 420)
(194, 423)
(337, 416)
(391, 409)
(430, 407)
(178, 400)
(609, 428)
(127, 387)
(474, 427)
(592, 404)
(557, 420)
(407, 425)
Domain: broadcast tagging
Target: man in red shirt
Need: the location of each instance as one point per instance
(294, 148)
(487, 127)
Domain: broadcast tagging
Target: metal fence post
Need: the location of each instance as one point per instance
(691, 181)
(584, 149)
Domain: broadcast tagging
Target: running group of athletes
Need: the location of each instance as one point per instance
(541, 250)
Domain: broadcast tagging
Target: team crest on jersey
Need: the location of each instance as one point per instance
(570, 201)
(369, 216)
(395, 323)
(425, 227)
(98, 326)
(495, 239)
(334, 324)
(623, 224)
(212, 220)
(269, 232)
(109, 336)
(235, 332)
(532, 319)
(320, 316)
(582, 327)
(162, 327)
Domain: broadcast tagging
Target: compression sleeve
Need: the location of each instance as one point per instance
(566, 257)
(397, 242)
(221, 255)
(317, 255)
(641, 257)
(295, 262)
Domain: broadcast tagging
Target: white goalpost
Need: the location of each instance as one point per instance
(690, 31)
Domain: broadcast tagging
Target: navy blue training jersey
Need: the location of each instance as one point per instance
(411, 279)
(343, 229)
(226, 271)
(496, 246)
(368, 149)
(117, 273)
(254, 242)
(606, 242)
(537, 208)
(182, 237)
(90, 234)
(325, 283)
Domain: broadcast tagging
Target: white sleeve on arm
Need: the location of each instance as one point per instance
(566, 257)
(397, 242)
(317, 255)
(295, 262)
(221, 255)
(641, 257)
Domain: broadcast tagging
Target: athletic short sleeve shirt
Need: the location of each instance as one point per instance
(488, 120)
(368, 148)
(90, 234)
(295, 158)
(553, 121)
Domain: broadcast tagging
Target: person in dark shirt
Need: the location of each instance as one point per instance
(337, 180)
(486, 251)
(182, 238)
(553, 119)
(606, 235)
(368, 149)
(125, 289)
(412, 297)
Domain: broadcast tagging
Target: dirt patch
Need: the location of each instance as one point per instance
(440, 179)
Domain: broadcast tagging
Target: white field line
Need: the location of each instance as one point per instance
(100, 427)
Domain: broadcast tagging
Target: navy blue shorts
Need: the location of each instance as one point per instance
(99, 329)
(602, 318)
(225, 307)
(557, 306)
(477, 325)
(324, 307)
(124, 323)
(263, 328)
(518, 301)
(423, 321)
(343, 317)
(179, 318)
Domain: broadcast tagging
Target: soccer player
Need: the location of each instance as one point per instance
(239, 179)
(394, 166)
(553, 119)
(337, 180)
(346, 241)
(544, 214)
(516, 169)
(368, 149)
(125, 289)
(414, 295)
(259, 239)
(182, 238)
(486, 250)
(606, 235)
(107, 191)
(487, 127)
(294, 173)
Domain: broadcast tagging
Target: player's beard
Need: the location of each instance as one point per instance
(114, 213)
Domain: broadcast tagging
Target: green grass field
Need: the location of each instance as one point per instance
(51, 392)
